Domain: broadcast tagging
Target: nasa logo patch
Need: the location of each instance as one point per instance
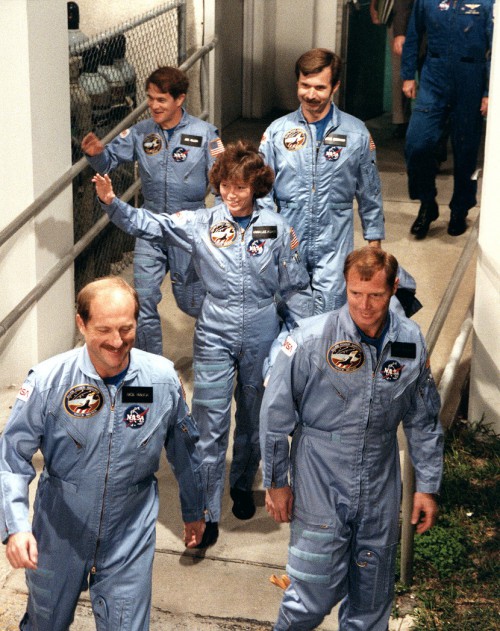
(294, 139)
(152, 144)
(124, 133)
(332, 153)
(256, 247)
(135, 416)
(345, 356)
(391, 370)
(222, 234)
(289, 346)
(179, 154)
(83, 401)
(24, 392)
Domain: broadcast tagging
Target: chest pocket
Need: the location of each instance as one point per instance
(65, 448)
(395, 378)
(334, 405)
(149, 447)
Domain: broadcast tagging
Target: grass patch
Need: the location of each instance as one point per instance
(457, 570)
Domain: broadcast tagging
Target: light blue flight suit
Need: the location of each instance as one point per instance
(174, 176)
(315, 187)
(97, 499)
(241, 271)
(343, 407)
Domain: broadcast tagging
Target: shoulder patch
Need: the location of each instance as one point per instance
(289, 346)
(294, 242)
(180, 217)
(372, 144)
(124, 133)
(215, 147)
(24, 392)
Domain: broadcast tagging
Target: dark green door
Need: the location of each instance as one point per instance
(363, 46)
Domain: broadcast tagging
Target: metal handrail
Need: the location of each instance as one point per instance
(407, 530)
(64, 180)
(77, 48)
(57, 187)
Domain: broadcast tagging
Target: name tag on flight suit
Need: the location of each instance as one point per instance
(265, 232)
(191, 141)
(404, 349)
(339, 140)
(137, 394)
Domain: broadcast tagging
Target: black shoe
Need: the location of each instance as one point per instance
(243, 504)
(428, 213)
(210, 535)
(457, 225)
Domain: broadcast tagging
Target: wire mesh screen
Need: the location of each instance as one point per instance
(107, 76)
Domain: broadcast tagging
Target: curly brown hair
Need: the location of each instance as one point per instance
(241, 162)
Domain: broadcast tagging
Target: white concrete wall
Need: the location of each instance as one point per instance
(485, 369)
(35, 143)
(259, 57)
(300, 25)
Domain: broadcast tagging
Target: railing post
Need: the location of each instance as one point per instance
(181, 34)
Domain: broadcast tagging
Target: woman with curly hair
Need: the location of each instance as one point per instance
(247, 260)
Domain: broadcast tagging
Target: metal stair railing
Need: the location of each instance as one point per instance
(61, 184)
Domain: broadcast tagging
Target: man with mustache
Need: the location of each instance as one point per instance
(101, 414)
(323, 158)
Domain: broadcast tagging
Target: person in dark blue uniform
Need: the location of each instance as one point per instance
(454, 86)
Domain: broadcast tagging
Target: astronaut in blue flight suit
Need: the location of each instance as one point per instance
(341, 384)
(101, 416)
(174, 151)
(244, 257)
(453, 85)
(323, 158)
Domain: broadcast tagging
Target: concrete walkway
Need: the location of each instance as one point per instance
(228, 588)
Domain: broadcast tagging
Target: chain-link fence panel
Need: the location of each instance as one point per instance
(107, 81)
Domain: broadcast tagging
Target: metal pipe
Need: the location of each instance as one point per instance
(407, 530)
(444, 306)
(450, 370)
(181, 34)
(78, 47)
(61, 266)
(65, 179)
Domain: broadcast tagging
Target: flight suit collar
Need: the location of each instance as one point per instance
(348, 325)
(334, 117)
(87, 367)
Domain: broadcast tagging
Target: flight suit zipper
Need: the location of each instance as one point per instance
(93, 569)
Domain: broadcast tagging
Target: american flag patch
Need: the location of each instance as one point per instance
(372, 144)
(294, 242)
(215, 147)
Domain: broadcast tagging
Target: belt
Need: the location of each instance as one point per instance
(467, 60)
